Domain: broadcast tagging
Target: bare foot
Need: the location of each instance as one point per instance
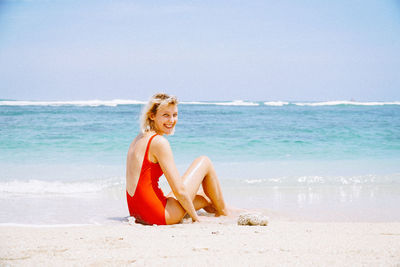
(210, 209)
(231, 212)
(223, 212)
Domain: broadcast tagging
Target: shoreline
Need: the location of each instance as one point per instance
(307, 203)
(214, 241)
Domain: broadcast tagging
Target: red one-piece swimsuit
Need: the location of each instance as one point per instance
(148, 203)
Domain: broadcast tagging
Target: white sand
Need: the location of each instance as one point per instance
(214, 242)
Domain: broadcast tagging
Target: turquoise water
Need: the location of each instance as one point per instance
(54, 149)
(226, 133)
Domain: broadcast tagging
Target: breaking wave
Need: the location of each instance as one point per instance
(116, 102)
(90, 103)
(228, 103)
(276, 103)
(370, 179)
(329, 103)
(353, 103)
(38, 187)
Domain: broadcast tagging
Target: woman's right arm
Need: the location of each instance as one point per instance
(163, 153)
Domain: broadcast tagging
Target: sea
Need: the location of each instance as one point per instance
(63, 162)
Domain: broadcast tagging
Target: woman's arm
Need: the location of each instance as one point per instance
(162, 151)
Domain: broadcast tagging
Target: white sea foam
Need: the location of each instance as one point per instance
(195, 103)
(38, 187)
(116, 102)
(276, 103)
(237, 103)
(229, 103)
(354, 103)
(311, 179)
(44, 225)
(369, 179)
(254, 181)
(90, 103)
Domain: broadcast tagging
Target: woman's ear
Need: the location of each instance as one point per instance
(152, 116)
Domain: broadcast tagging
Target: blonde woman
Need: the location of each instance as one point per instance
(150, 156)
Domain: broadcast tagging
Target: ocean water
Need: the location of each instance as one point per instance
(64, 162)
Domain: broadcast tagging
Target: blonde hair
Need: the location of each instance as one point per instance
(155, 102)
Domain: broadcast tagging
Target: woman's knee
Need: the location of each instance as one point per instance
(204, 159)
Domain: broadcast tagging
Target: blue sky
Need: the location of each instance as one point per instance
(200, 50)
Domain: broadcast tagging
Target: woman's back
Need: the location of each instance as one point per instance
(146, 201)
(135, 158)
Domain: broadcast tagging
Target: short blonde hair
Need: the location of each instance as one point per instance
(155, 102)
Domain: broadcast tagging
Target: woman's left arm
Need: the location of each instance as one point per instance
(162, 151)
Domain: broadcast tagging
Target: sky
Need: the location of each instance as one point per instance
(310, 50)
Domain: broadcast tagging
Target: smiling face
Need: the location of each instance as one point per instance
(165, 119)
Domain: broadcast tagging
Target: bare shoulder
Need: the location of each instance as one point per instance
(159, 149)
(160, 142)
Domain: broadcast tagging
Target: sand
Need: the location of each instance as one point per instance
(213, 242)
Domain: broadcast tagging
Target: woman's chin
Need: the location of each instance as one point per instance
(170, 131)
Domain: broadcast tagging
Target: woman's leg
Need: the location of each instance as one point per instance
(200, 172)
(174, 212)
(212, 189)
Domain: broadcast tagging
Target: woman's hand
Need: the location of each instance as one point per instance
(196, 220)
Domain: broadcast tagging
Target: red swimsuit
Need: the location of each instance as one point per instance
(148, 203)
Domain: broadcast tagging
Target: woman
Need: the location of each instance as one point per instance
(150, 156)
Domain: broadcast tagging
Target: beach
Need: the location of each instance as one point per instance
(295, 104)
(214, 242)
(325, 173)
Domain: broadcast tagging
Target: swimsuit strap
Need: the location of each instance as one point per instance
(147, 148)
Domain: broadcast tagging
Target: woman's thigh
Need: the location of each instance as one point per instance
(194, 176)
(174, 211)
